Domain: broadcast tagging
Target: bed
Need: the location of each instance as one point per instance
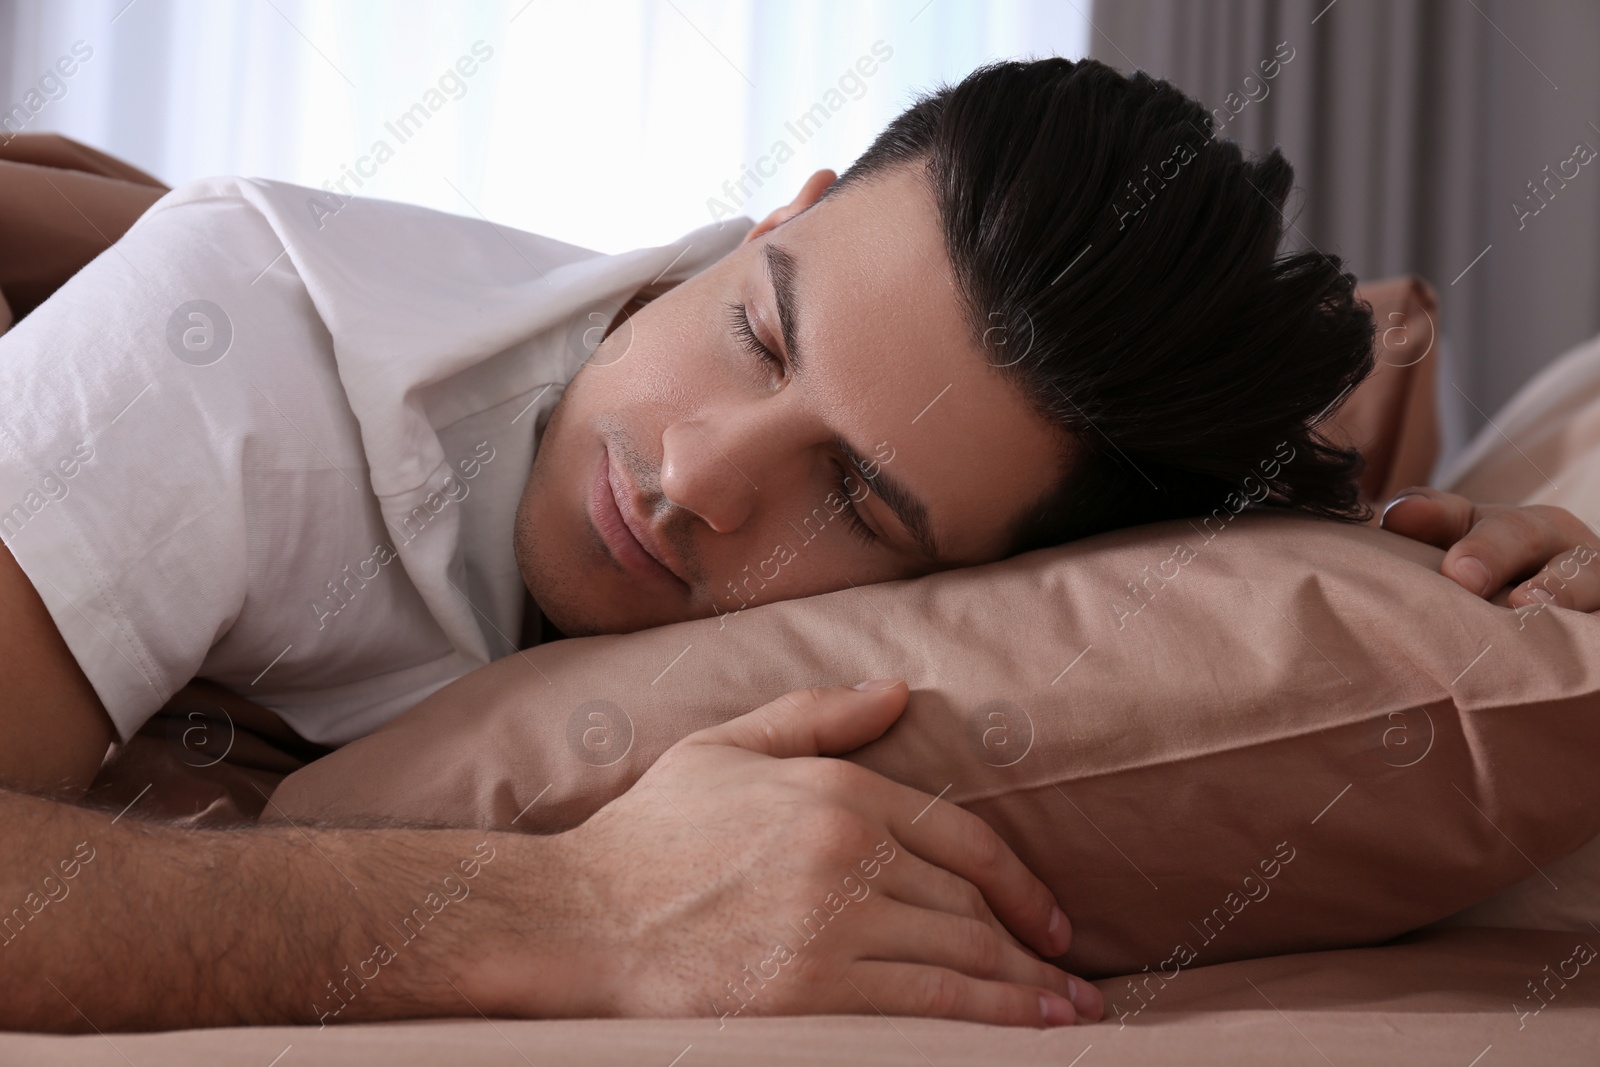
(1453, 998)
(1417, 932)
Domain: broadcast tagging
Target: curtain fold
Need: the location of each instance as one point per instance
(1415, 128)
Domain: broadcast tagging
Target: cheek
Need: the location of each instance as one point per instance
(671, 364)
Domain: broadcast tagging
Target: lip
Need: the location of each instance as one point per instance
(628, 538)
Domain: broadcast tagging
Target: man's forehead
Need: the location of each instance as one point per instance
(877, 245)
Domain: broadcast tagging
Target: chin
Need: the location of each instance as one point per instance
(579, 600)
(549, 581)
(578, 620)
(556, 618)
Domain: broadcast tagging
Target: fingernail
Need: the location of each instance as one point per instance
(1542, 594)
(1055, 1011)
(1392, 503)
(1086, 999)
(1059, 932)
(1476, 574)
(876, 683)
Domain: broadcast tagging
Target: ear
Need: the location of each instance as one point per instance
(809, 194)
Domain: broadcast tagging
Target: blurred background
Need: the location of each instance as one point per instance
(1448, 138)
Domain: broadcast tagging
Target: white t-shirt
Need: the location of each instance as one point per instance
(277, 439)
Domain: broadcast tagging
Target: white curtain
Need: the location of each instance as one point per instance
(607, 124)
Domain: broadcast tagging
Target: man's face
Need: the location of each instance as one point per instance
(731, 468)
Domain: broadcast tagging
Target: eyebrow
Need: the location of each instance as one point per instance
(781, 270)
(907, 506)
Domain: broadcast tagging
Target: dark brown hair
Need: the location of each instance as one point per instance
(1120, 264)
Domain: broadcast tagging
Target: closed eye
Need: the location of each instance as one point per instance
(852, 515)
(739, 323)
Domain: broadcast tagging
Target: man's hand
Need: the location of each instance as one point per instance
(743, 875)
(673, 900)
(1492, 545)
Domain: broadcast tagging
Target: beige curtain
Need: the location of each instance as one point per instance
(1421, 132)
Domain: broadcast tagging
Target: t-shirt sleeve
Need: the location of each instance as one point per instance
(120, 463)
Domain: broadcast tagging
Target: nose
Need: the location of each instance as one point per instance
(715, 465)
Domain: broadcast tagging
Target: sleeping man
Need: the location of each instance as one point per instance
(334, 453)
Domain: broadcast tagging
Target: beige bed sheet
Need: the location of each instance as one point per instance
(1445, 997)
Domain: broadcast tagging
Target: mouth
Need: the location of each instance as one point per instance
(626, 535)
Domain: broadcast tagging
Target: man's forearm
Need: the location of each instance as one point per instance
(117, 924)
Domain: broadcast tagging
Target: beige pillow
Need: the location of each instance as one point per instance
(1213, 740)
(1543, 447)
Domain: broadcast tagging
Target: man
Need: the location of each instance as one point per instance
(973, 344)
